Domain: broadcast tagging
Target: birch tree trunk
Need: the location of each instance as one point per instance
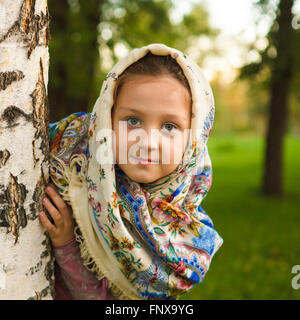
(26, 260)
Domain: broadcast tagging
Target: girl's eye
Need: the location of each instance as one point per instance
(170, 126)
(133, 123)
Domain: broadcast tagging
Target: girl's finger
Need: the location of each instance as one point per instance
(46, 223)
(58, 201)
(54, 213)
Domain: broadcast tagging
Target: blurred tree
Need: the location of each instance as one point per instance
(279, 57)
(280, 88)
(194, 25)
(74, 55)
(138, 22)
(81, 29)
(132, 24)
(57, 71)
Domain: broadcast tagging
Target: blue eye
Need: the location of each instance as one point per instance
(133, 121)
(170, 126)
(132, 118)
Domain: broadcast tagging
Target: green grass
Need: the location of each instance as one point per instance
(261, 234)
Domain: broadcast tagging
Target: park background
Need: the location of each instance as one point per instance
(250, 52)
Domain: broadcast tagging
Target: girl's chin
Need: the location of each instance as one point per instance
(144, 173)
(140, 175)
(141, 179)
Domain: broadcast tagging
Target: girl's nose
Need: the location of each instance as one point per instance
(149, 140)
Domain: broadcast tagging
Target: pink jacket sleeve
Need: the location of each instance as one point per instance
(73, 281)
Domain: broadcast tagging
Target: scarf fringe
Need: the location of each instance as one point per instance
(69, 172)
(90, 264)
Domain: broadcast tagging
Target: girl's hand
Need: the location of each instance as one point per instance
(62, 230)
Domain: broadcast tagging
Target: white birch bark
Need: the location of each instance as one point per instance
(26, 260)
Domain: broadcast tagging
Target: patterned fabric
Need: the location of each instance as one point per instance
(68, 137)
(72, 280)
(154, 239)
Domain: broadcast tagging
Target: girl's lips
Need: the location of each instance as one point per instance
(144, 162)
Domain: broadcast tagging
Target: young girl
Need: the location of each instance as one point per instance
(126, 222)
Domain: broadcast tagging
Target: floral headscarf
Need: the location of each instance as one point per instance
(154, 240)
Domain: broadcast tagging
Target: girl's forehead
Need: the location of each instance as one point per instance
(152, 80)
(171, 113)
(165, 92)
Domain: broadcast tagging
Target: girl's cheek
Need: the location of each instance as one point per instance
(172, 149)
(120, 142)
(122, 149)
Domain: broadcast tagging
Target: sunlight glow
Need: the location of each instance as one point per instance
(236, 21)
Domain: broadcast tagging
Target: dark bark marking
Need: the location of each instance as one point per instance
(36, 206)
(32, 28)
(48, 272)
(3, 219)
(40, 115)
(37, 296)
(34, 269)
(12, 113)
(49, 269)
(4, 155)
(13, 215)
(7, 78)
(35, 26)
(28, 11)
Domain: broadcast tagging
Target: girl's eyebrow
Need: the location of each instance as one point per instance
(130, 109)
(171, 115)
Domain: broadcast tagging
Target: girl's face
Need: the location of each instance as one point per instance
(147, 103)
